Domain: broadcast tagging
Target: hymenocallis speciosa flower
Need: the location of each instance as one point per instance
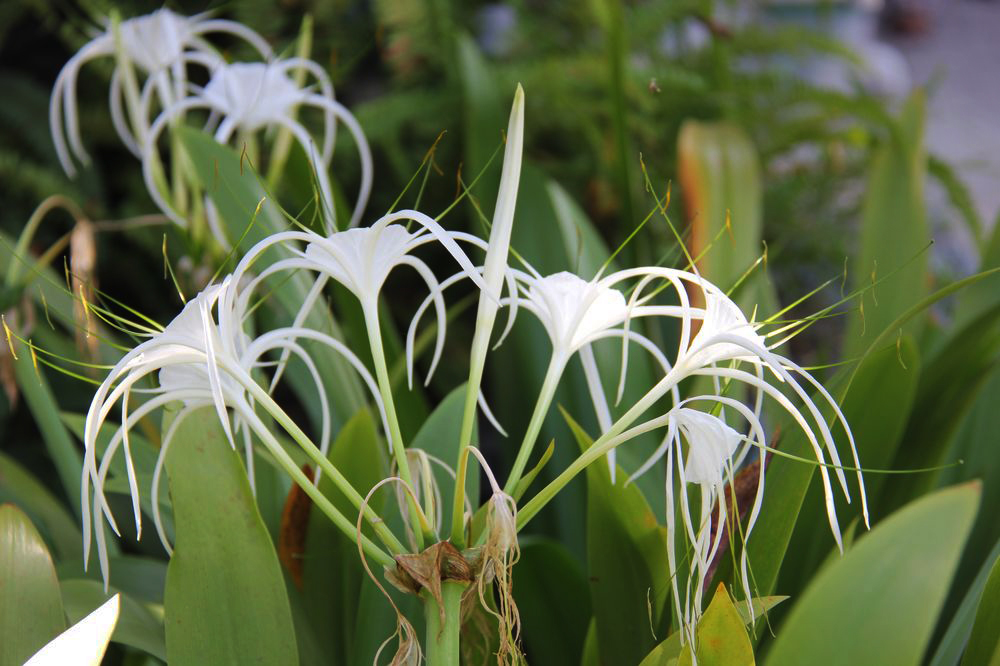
(204, 357)
(717, 341)
(250, 97)
(157, 45)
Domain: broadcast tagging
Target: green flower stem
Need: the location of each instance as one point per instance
(283, 142)
(322, 501)
(338, 479)
(419, 527)
(21, 249)
(465, 440)
(442, 643)
(552, 375)
(601, 446)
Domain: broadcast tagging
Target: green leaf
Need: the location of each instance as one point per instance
(225, 599)
(59, 529)
(720, 176)
(948, 389)
(950, 648)
(331, 569)
(484, 119)
(894, 232)
(984, 643)
(590, 649)
(985, 294)
(958, 193)
(626, 563)
(31, 610)
(721, 637)
(553, 600)
(439, 437)
(878, 604)
(41, 401)
(876, 405)
(137, 627)
(670, 650)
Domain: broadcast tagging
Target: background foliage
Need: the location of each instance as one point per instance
(750, 152)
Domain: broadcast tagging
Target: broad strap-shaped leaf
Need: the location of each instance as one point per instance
(553, 600)
(669, 651)
(331, 569)
(984, 643)
(721, 637)
(136, 627)
(720, 175)
(225, 598)
(878, 604)
(47, 514)
(883, 387)
(877, 406)
(949, 387)
(483, 119)
(894, 232)
(626, 564)
(31, 610)
(952, 644)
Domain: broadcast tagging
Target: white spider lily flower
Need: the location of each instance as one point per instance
(719, 341)
(362, 259)
(249, 97)
(575, 313)
(85, 643)
(716, 341)
(714, 452)
(203, 357)
(156, 44)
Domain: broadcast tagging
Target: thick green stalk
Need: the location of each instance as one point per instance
(600, 446)
(442, 642)
(336, 517)
(335, 476)
(421, 530)
(465, 439)
(552, 375)
(489, 299)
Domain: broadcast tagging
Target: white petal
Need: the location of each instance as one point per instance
(84, 643)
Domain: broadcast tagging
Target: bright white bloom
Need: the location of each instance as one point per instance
(157, 44)
(362, 259)
(716, 341)
(574, 312)
(83, 644)
(203, 357)
(717, 443)
(249, 97)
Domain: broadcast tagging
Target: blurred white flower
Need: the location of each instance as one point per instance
(83, 644)
(249, 97)
(157, 44)
(715, 341)
(203, 357)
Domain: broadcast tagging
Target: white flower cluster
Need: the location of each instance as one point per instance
(240, 98)
(208, 356)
